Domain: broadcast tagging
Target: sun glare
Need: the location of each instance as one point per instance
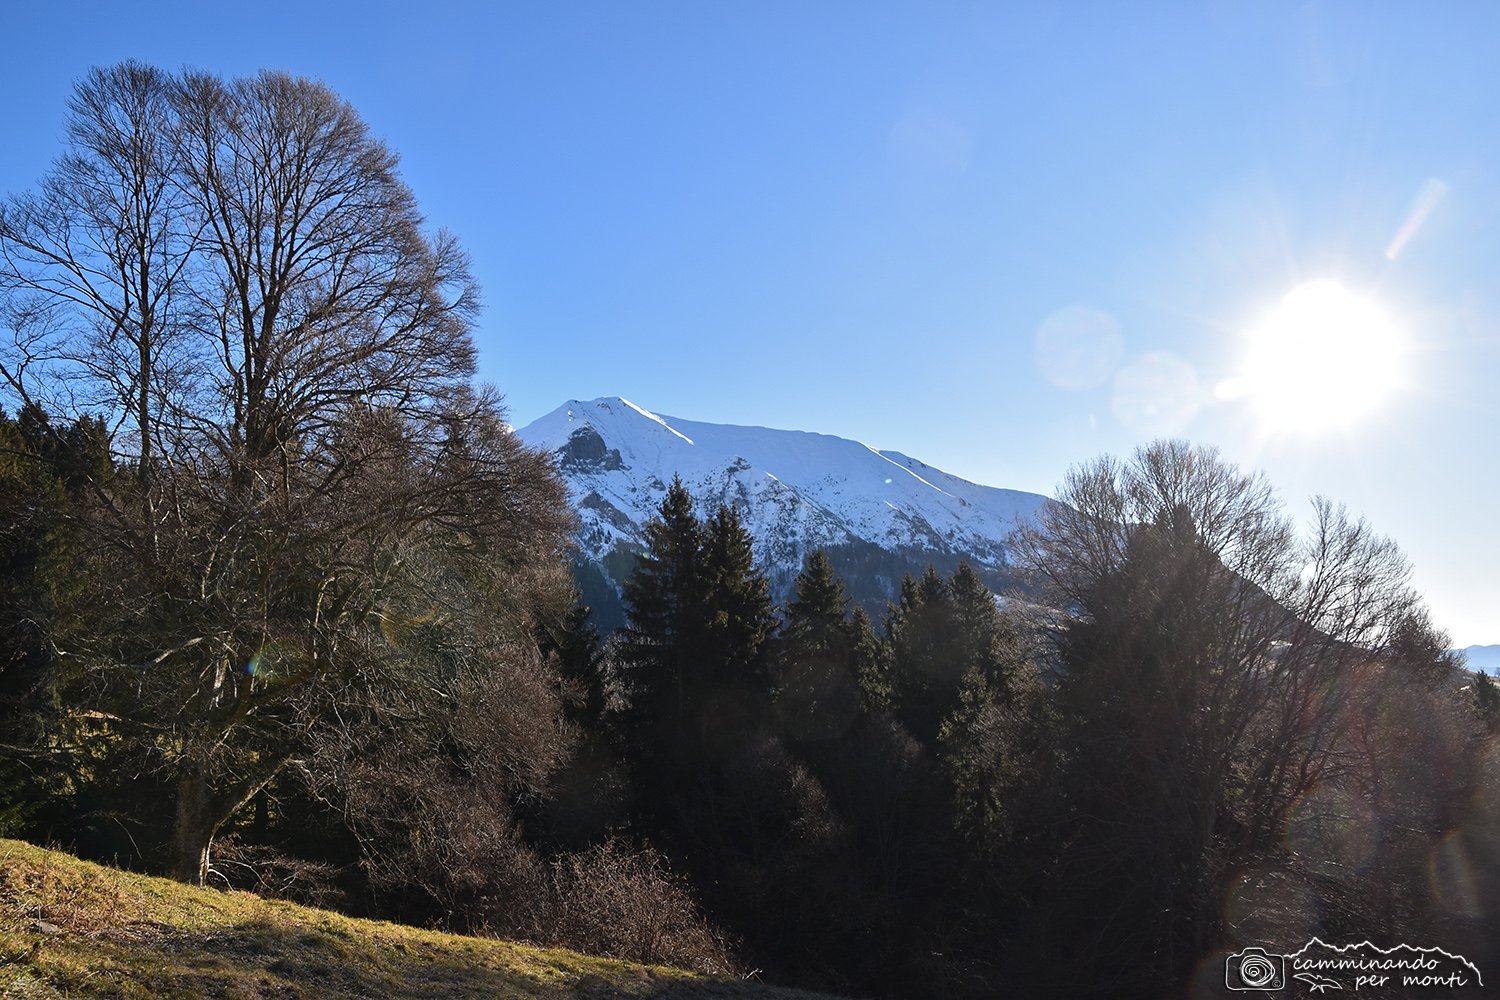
(1324, 358)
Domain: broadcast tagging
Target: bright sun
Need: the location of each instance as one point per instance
(1322, 359)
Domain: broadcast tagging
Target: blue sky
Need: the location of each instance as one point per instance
(888, 221)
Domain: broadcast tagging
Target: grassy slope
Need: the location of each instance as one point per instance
(125, 935)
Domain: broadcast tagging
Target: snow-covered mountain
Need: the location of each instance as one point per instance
(878, 513)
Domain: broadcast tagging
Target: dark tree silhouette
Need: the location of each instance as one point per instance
(1198, 688)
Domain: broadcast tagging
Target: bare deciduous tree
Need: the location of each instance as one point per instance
(91, 262)
(234, 273)
(1199, 646)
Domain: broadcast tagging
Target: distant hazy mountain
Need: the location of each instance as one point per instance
(879, 514)
(1486, 658)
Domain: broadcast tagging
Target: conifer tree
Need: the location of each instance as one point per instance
(990, 736)
(878, 680)
(664, 622)
(943, 636)
(699, 615)
(32, 504)
(913, 636)
(986, 645)
(1487, 700)
(574, 642)
(817, 685)
(816, 614)
(865, 655)
(738, 602)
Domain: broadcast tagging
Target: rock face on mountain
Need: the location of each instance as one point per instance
(880, 514)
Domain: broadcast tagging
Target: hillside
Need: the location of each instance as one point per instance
(73, 929)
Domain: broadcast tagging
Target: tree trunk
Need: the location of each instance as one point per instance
(201, 812)
(194, 828)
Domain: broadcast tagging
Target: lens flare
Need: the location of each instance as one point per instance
(1451, 873)
(276, 658)
(1428, 196)
(1079, 347)
(1157, 393)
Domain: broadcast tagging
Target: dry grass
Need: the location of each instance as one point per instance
(72, 929)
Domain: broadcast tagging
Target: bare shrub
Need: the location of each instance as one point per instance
(431, 791)
(624, 902)
(272, 874)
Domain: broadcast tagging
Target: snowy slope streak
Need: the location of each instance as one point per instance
(796, 492)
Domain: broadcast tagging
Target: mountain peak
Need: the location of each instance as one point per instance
(605, 414)
(879, 514)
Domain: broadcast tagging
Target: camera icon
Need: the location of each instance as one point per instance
(1253, 969)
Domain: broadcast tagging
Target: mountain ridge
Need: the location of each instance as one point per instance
(879, 514)
(1484, 658)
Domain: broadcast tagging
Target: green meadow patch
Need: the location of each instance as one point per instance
(69, 928)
